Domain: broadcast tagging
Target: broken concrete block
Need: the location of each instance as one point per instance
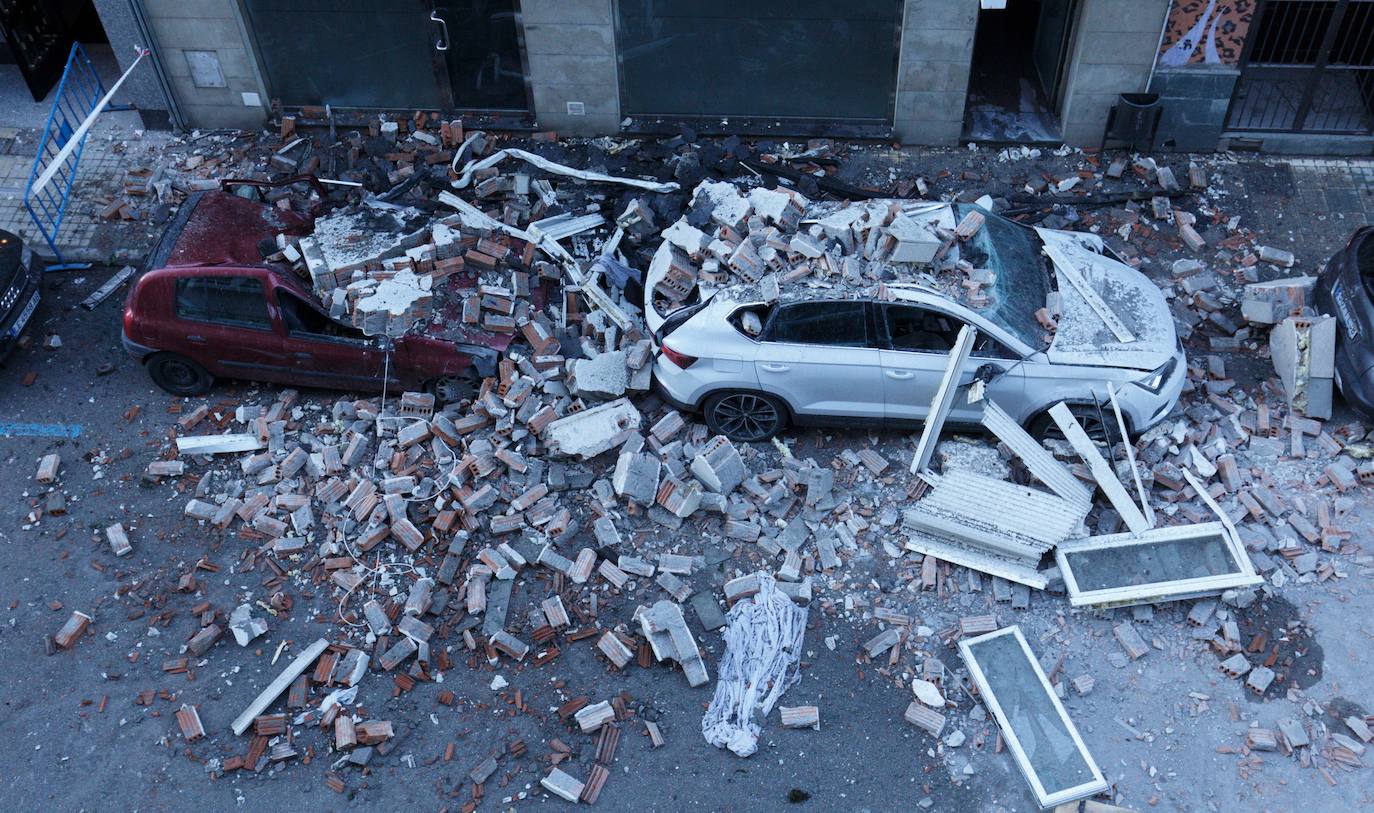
(636, 477)
(1259, 679)
(47, 468)
(1303, 351)
(562, 785)
(924, 718)
(614, 649)
(603, 377)
(670, 639)
(592, 431)
(1268, 303)
(678, 497)
(800, 717)
(376, 618)
(915, 242)
(779, 207)
(1130, 640)
(1276, 256)
(119, 540)
(72, 630)
(591, 718)
(719, 466)
(244, 626)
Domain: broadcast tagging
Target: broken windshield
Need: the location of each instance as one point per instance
(1012, 252)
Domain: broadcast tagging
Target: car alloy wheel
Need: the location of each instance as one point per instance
(745, 417)
(1044, 427)
(451, 389)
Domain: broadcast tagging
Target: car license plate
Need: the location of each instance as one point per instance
(1352, 327)
(25, 316)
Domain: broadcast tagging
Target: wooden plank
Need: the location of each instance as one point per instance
(944, 399)
(279, 685)
(1101, 469)
(111, 285)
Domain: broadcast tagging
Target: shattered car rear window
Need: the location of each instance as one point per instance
(1013, 253)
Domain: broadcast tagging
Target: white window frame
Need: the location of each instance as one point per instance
(1243, 576)
(1047, 800)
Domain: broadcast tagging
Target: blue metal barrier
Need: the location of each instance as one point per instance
(77, 95)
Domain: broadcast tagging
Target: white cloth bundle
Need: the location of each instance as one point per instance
(763, 643)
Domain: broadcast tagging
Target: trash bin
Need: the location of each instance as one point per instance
(1134, 119)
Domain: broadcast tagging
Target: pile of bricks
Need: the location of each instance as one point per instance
(771, 240)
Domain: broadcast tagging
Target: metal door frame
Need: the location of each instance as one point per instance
(1310, 74)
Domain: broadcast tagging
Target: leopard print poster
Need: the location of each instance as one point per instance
(1206, 31)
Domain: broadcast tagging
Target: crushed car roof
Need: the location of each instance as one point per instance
(775, 245)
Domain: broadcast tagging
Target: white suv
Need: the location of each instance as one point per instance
(846, 354)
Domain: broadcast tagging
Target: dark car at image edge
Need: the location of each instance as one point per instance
(21, 272)
(1345, 290)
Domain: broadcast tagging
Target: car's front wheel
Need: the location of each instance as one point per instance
(179, 375)
(745, 417)
(1092, 418)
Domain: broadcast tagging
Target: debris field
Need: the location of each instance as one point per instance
(562, 506)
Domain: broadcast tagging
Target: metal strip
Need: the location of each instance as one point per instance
(1145, 506)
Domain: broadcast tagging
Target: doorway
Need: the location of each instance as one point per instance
(37, 35)
(418, 54)
(1015, 82)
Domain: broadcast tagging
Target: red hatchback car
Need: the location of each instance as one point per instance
(210, 309)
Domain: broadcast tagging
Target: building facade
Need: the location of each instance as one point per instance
(1292, 75)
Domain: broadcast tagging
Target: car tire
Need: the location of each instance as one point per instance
(1042, 426)
(179, 375)
(744, 416)
(451, 389)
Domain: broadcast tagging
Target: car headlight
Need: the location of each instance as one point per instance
(1154, 382)
(25, 257)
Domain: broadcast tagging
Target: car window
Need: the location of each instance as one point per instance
(920, 330)
(223, 300)
(302, 319)
(839, 324)
(987, 347)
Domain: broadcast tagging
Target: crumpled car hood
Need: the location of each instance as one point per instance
(1084, 336)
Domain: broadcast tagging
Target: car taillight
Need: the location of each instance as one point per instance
(680, 359)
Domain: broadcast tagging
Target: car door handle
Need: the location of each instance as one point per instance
(196, 339)
(899, 375)
(775, 368)
(302, 356)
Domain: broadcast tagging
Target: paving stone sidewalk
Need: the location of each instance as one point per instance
(84, 236)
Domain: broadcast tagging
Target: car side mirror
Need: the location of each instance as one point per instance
(988, 373)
